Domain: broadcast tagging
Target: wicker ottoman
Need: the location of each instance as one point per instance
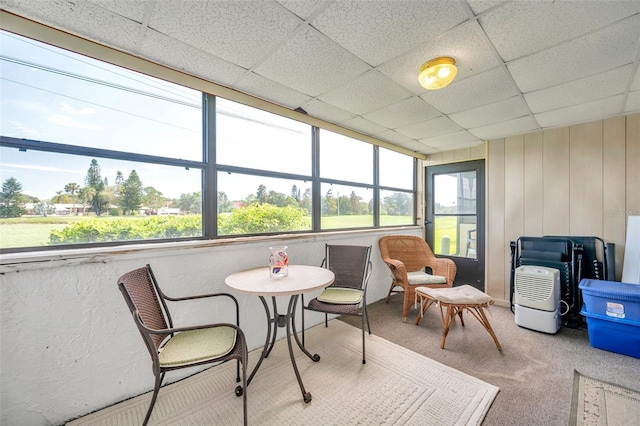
(456, 300)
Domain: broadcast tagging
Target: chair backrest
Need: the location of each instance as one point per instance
(350, 264)
(141, 292)
(412, 251)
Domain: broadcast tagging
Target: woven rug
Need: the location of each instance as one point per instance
(395, 387)
(595, 402)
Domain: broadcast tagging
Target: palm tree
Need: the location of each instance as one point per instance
(72, 188)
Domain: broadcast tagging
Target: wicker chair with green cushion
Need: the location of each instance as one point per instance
(348, 293)
(409, 257)
(172, 348)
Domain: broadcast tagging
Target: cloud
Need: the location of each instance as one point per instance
(71, 110)
(63, 120)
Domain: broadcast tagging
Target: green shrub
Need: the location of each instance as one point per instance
(262, 218)
(140, 228)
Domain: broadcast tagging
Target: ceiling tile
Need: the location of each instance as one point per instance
(129, 9)
(363, 125)
(238, 32)
(493, 113)
(358, 98)
(465, 43)
(404, 113)
(597, 52)
(270, 90)
(327, 112)
(394, 137)
(512, 127)
(581, 113)
(479, 6)
(520, 28)
(175, 54)
(429, 129)
(81, 18)
(303, 9)
(328, 67)
(377, 31)
(457, 138)
(598, 86)
(481, 89)
(633, 102)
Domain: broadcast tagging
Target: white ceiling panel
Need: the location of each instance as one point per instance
(329, 66)
(582, 113)
(358, 98)
(270, 90)
(516, 126)
(183, 57)
(241, 32)
(458, 138)
(133, 10)
(363, 125)
(429, 129)
(598, 86)
(633, 102)
(377, 31)
(524, 27)
(500, 111)
(354, 63)
(600, 51)
(481, 89)
(404, 113)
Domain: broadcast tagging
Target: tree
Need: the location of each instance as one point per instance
(72, 188)
(11, 197)
(131, 193)
(261, 194)
(94, 180)
(153, 198)
(224, 205)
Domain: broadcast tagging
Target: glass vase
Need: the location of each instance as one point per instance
(278, 262)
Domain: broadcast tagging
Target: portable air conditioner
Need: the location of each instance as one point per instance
(537, 298)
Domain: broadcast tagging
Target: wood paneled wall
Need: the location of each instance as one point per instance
(577, 180)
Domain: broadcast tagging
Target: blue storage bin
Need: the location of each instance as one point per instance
(611, 299)
(613, 334)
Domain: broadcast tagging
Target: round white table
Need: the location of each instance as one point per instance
(301, 279)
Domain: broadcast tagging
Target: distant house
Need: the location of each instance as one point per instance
(168, 210)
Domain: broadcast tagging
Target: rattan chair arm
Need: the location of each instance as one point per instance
(398, 270)
(444, 268)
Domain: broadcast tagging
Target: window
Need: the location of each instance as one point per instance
(397, 188)
(92, 153)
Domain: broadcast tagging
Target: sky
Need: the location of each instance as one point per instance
(52, 95)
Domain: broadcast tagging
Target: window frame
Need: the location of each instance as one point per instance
(209, 167)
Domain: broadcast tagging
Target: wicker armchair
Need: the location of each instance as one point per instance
(413, 264)
(172, 348)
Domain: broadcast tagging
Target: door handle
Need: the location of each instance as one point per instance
(427, 222)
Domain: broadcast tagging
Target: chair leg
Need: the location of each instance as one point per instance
(446, 323)
(390, 291)
(156, 389)
(407, 305)
(245, 356)
(364, 361)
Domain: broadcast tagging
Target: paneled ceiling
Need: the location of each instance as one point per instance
(522, 65)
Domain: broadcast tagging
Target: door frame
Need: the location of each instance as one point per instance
(470, 271)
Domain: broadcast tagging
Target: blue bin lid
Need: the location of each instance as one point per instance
(610, 288)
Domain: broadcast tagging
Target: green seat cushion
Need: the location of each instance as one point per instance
(340, 296)
(194, 346)
(421, 278)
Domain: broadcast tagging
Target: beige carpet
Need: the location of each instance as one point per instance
(395, 387)
(595, 402)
